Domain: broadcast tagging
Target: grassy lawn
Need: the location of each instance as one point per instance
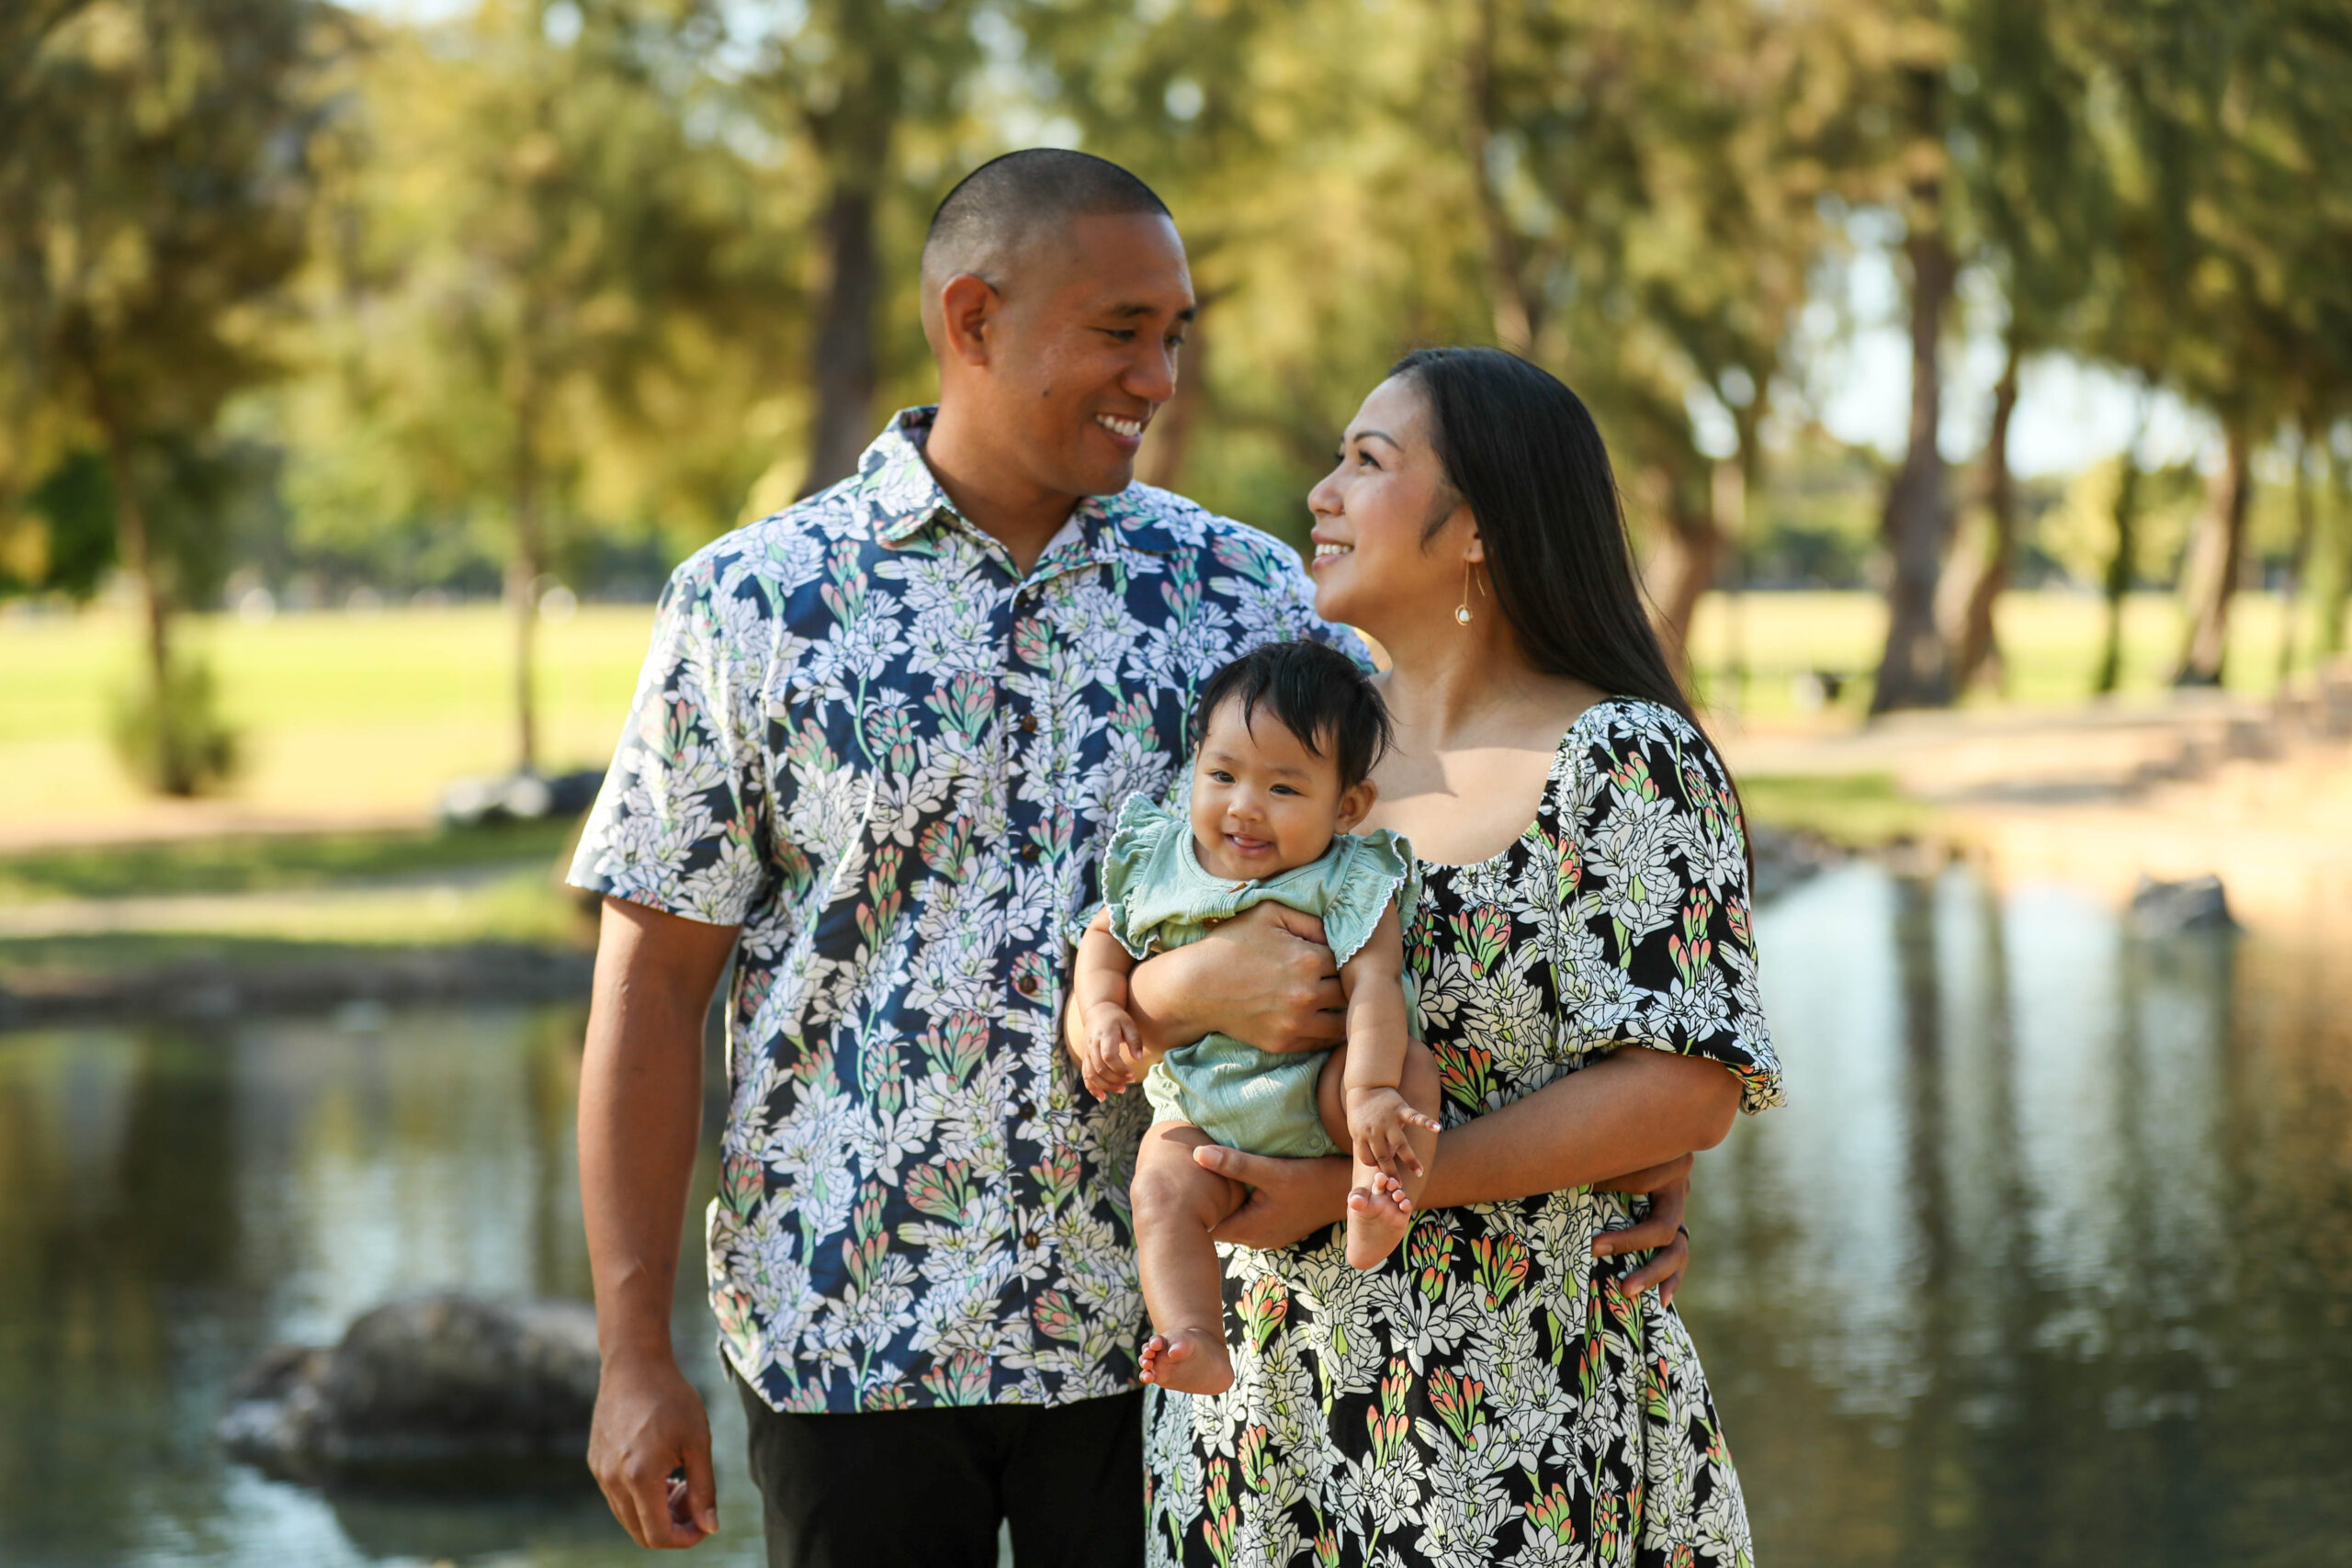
(2051, 640)
(1858, 810)
(342, 716)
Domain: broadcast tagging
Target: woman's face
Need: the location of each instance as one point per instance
(1377, 565)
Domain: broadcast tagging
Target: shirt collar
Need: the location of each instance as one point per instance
(901, 496)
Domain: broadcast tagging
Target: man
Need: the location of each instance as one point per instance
(876, 745)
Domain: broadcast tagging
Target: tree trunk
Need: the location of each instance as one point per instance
(2121, 565)
(1518, 301)
(1977, 650)
(522, 567)
(175, 771)
(2210, 577)
(854, 137)
(2338, 590)
(1169, 440)
(2306, 526)
(1689, 550)
(1916, 669)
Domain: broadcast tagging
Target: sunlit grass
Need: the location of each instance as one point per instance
(2051, 642)
(1857, 810)
(341, 715)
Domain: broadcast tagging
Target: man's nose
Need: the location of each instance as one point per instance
(1151, 375)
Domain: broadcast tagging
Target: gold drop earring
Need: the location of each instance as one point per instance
(1462, 610)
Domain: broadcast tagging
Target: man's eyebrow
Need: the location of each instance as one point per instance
(1126, 312)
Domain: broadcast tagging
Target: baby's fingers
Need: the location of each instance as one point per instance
(1401, 1152)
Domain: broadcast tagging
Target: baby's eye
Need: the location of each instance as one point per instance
(1220, 775)
(1284, 789)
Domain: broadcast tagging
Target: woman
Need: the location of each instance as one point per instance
(1495, 1392)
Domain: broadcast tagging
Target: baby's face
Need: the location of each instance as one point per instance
(1262, 803)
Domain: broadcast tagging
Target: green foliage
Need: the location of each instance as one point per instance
(64, 540)
(173, 738)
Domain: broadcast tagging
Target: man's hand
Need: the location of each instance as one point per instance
(1289, 1199)
(1668, 1187)
(649, 1423)
(1264, 977)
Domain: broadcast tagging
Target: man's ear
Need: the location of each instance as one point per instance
(968, 310)
(1356, 804)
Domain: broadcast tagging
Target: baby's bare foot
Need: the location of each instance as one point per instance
(1188, 1360)
(1378, 1216)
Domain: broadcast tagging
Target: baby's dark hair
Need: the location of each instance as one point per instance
(1315, 692)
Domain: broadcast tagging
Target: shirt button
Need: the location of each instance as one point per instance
(1030, 850)
(1024, 1110)
(1029, 1239)
(1028, 724)
(1027, 985)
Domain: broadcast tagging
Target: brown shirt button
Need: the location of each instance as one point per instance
(1030, 850)
(1028, 724)
(1027, 985)
(1029, 1239)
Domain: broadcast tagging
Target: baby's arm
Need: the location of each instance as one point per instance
(1110, 1049)
(1378, 1032)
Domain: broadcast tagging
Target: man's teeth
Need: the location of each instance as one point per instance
(1324, 551)
(1130, 428)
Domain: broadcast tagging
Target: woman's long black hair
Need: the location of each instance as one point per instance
(1522, 450)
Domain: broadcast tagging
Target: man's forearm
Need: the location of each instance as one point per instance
(1157, 991)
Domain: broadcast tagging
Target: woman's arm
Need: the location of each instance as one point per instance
(1629, 1111)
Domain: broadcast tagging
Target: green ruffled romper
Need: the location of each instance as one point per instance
(1160, 897)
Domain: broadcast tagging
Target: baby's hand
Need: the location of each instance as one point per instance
(1111, 1055)
(1377, 1120)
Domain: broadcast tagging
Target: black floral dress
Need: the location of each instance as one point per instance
(1489, 1395)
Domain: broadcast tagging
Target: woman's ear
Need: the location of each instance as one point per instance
(1356, 804)
(1477, 550)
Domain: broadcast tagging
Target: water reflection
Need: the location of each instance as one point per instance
(2048, 1261)
(174, 1200)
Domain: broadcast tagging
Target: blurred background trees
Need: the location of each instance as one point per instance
(535, 293)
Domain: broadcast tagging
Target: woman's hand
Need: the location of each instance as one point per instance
(1289, 1199)
(1264, 977)
(1668, 1186)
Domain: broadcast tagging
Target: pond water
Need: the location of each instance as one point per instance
(2050, 1260)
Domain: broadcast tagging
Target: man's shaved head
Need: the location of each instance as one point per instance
(1054, 298)
(1000, 208)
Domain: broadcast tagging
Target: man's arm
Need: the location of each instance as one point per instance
(641, 1113)
(1264, 977)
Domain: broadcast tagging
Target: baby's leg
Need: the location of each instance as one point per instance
(1380, 1208)
(1176, 1204)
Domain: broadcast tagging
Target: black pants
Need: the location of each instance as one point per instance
(928, 1488)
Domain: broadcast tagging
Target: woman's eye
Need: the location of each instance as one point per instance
(1367, 459)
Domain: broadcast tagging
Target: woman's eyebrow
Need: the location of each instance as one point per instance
(1364, 434)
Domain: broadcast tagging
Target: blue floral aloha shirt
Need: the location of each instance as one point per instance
(891, 759)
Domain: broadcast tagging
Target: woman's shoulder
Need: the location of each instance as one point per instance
(1634, 742)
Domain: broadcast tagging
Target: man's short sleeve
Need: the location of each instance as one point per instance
(683, 821)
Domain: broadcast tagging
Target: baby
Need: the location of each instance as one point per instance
(1284, 740)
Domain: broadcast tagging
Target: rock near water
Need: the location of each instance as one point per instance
(438, 1393)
